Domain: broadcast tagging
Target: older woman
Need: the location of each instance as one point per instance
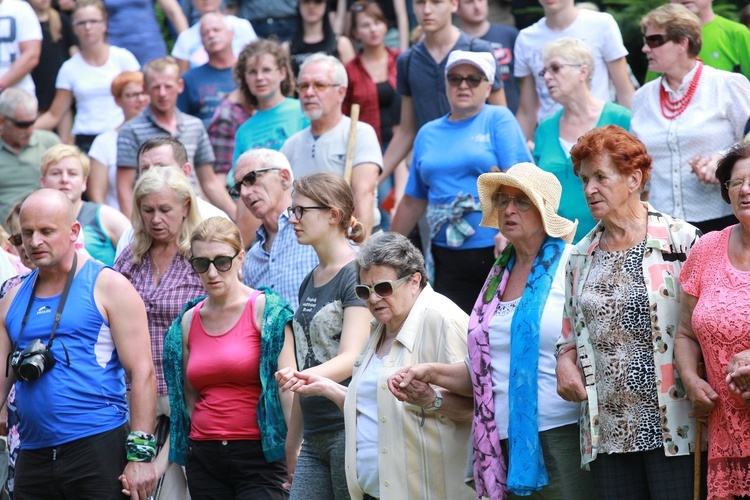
(666, 111)
(66, 169)
(714, 328)
(396, 450)
(220, 358)
(621, 311)
(156, 263)
(449, 154)
(568, 73)
(127, 89)
(519, 418)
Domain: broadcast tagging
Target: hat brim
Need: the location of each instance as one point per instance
(554, 225)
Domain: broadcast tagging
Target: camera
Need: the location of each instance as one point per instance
(32, 362)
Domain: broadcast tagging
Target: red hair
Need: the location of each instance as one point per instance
(624, 150)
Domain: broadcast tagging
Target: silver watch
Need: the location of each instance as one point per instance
(437, 403)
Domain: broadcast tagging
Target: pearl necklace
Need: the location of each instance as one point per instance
(672, 109)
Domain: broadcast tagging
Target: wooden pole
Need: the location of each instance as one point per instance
(349, 163)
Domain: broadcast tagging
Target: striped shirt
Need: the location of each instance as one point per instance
(177, 286)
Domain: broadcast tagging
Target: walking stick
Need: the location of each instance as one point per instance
(349, 163)
(698, 448)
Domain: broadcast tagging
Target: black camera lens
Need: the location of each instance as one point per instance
(31, 368)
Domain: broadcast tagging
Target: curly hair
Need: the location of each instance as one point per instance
(257, 48)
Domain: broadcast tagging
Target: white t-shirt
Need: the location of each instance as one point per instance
(104, 150)
(600, 32)
(553, 410)
(96, 110)
(189, 46)
(18, 23)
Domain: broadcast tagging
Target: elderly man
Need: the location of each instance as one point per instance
(263, 182)
(165, 151)
(21, 148)
(164, 85)
(322, 146)
(75, 416)
(207, 85)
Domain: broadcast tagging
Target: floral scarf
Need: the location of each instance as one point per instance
(527, 472)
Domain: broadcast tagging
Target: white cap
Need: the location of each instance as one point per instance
(484, 61)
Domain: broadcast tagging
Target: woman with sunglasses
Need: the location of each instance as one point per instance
(525, 437)
(330, 327)
(393, 449)
(687, 119)
(228, 419)
(156, 263)
(450, 153)
(315, 34)
(568, 72)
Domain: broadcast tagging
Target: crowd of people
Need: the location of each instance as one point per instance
(314, 255)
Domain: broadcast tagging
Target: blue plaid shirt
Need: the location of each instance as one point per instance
(283, 269)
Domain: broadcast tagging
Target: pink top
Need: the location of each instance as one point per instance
(722, 326)
(224, 369)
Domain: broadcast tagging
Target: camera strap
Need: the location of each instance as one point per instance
(58, 314)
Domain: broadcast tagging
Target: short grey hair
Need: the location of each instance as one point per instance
(392, 250)
(337, 69)
(571, 50)
(268, 158)
(12, 99)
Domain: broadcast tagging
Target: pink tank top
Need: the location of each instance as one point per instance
(225, 370)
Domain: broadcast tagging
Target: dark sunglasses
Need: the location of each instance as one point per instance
(21, 124)
(502, 200)
(16, 240)
(654, 41)
(222, 263)
(382, 289)
(555, 68)
(299, 210)
(249, 180)
(472, 81)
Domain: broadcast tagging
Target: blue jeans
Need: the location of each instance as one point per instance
(320, 473)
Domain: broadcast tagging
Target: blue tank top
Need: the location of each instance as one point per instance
(68, 402)
(96, 241)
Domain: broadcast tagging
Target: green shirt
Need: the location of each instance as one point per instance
(726, 46)
(21, 173)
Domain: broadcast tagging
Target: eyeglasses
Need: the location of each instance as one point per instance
(317, 86)
(473, 81)
(299, 210)
(382, 289)
(735, 184)
(87, 22)
(134, 95)
(521, 202)
(21, 124)
(555, 68)
(222, 263)
(654, 41)
(15, 240)
(249, 180)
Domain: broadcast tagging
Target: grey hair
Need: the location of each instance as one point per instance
(268, 158)
(12, 99)
(571, 50)
(221, 16)
(392, 250)
(338, 71)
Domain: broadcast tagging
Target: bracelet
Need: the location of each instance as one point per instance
(563, 348)
(140, 447)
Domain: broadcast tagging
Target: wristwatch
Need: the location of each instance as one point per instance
(437, 403)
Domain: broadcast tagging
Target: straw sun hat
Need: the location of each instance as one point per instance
(542, 188)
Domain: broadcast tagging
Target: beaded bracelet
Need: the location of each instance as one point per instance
(140, 447)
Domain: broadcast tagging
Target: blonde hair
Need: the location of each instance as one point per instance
(332, 191)
(220, 230)
(571, 50)
(156, 180)
(59, 152)
(161, 65)
(678, 23)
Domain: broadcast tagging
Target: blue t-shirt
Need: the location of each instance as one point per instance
(449, 156)
(268, 129)
(68, 402)
(131, 24)
(502, 39)
(423, 79)
(205, 87)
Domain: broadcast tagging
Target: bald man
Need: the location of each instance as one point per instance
(71, 394)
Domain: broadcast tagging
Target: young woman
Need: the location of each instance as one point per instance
(330, 327)
(87, 76)
(315, 34)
